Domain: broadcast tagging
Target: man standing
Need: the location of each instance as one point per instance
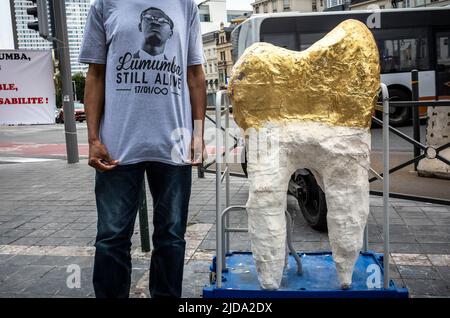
(145, 101)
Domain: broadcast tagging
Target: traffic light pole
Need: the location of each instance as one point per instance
(53, 28)
(59, 11)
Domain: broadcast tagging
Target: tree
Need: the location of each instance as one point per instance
(57, 80)
(79, 80)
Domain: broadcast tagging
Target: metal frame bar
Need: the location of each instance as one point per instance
(421, 103)
(222, 217)
(219, 260)
(227, 172)
(412, 197)
(400, 166)
(386, 256)
(415, 114)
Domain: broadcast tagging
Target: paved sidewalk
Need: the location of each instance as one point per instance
(48, 225)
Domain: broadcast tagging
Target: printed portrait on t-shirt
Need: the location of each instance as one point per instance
(156, 28)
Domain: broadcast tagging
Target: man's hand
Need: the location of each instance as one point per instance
(94, 99)
(197, 92)
(198, 151)
(99, 157)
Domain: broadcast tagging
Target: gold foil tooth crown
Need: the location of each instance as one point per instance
(335, 81)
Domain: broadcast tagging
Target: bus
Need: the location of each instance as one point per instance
(407, 39)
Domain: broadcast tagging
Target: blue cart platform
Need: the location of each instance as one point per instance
(319, 279)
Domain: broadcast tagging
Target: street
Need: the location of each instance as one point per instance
(46, 139)
(48, 220)
(48, 227)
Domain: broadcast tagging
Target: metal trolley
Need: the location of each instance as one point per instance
(307, 275)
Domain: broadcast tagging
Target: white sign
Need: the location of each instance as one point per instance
(27, 90)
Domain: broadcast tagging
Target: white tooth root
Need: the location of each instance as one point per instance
(340, 156)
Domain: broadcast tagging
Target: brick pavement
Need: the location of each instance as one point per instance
(47, 223)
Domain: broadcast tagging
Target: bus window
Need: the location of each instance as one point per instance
(285, 40)
(402, 50)
(443, 64)
(443, 49)
(308, 39)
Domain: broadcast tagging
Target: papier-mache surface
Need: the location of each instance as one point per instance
(335, 81)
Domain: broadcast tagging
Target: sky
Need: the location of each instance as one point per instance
(6, 39)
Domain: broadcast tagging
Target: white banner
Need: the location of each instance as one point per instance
(27, 90)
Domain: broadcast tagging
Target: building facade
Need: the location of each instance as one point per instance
(27, 39)
(214, 12)
(76, 11)
(224, 55)
(210, 66)
(271, 6)
(392, 4)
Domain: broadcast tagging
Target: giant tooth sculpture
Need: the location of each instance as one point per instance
(314, 109)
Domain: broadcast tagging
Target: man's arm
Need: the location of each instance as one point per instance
(94, 100)
(197, 91)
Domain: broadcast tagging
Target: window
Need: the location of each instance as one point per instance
(222, 56)
(443, 49)
(205, 18)
(308, 39)
(284, 40)
(402, 50)
(286, 5)
(231, 17)
(265, 8)
(274, 5)
(420, 3)
(256, 9)
(204, 13)
(334, 3)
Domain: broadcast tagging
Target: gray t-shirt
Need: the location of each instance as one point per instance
(146, 46)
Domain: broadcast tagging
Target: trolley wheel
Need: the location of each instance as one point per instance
(311, 200)
(244, 164)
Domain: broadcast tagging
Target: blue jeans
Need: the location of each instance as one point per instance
(118, 194)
